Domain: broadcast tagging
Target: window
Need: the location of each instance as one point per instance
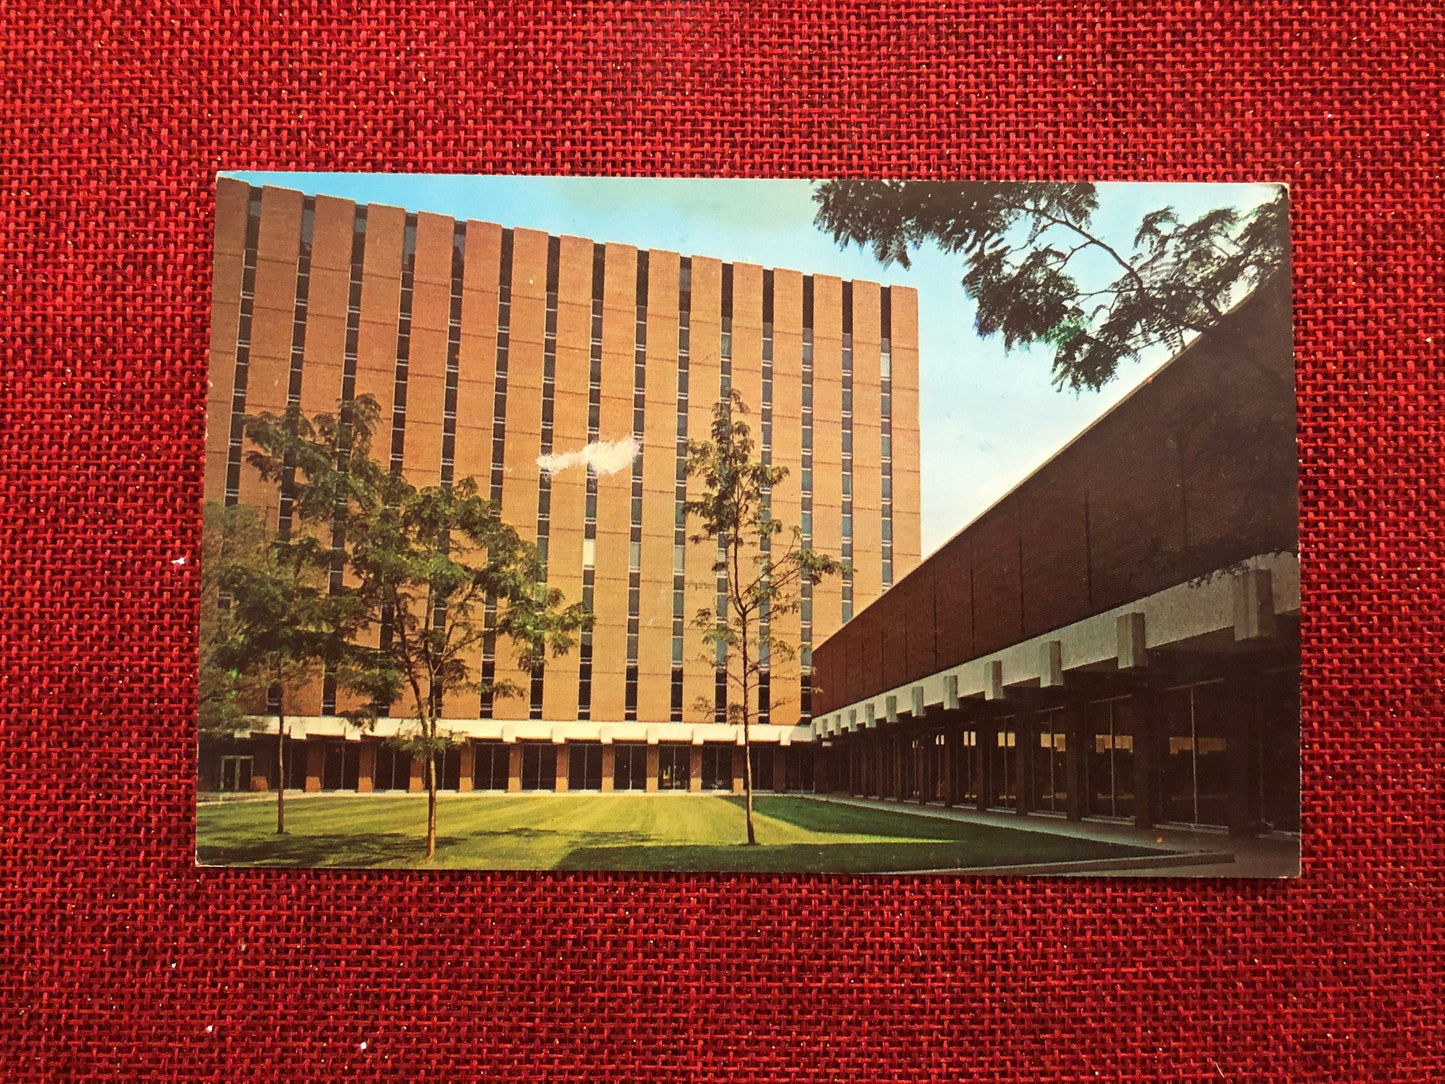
(393, 769)
(491, 762)
(717, 767)
(1109, 760)
(448, 768)
(1004, 766)
(1194, 778)
(1050, 791)
(584, 765)
(235, 773)
(762, 765)
(629, 767)
(539, 766)
(673, 762)
(341, 765)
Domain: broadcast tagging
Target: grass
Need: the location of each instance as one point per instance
(618, 832)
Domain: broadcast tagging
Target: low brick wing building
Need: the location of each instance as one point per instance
(1118, 637)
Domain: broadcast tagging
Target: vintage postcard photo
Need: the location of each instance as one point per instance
(737, 525)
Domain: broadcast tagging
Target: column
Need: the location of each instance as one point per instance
(563, 762)
(1076, 737)
(315, 764)
(906, 501)
(987, 732)
(376, 350)
(739, 766)
(1242, 694)
(1148, 709)
(898, 751)
(416, 782)
(659, 473)
(263, 763)
(609, 767)
(568, 487)
(1025, 732)
(694, 769)
(366, 768)
(654, 756)
(827, 447)
(950, 770)
(780, 770)
(514, 768)
(921, 753)
(1026, 703)
(468, 766)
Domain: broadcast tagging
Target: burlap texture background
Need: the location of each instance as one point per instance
(119, 959)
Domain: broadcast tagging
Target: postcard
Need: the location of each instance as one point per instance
(854, 527)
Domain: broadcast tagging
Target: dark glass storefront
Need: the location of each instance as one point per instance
(539, 766)
(717, 767)
(491, 764)
(1278, 751)
(629, 766)
(967, 767)
(235, 773)
(341, 765)
(393, 769)
(1109, 763)
(1003, 766)
(1048, 769)
(673, 765)
(584, 765)
(762, 765)
(1194, 774)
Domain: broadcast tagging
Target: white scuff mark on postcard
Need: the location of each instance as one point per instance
(604, 457)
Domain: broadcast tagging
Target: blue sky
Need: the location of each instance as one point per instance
(987, 418)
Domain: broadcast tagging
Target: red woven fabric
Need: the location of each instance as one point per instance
(118, 958)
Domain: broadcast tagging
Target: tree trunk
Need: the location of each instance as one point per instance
(748, 751)
(748, 778)
(281, 761)
(431, 794)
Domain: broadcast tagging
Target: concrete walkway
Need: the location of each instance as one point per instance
(1183, 852)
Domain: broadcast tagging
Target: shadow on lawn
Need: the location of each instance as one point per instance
(856, 821)
(778, 858)
(353, 850)
(367, 850)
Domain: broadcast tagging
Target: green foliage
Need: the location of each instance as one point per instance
(228, 695)
(429, 562)
(268, 621)
(733, 510)
(1032, 258)
(426, 566)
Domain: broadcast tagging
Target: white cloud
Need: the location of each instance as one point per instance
(604, 457)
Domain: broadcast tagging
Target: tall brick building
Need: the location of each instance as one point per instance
(489, 348)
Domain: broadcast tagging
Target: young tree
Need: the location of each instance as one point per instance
(274, 625)
(227, 698)
(285, 625)
(425, 565)
(429, 563)
(734, 511)
(1040, 271)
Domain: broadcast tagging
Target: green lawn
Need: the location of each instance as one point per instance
(617, 832)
